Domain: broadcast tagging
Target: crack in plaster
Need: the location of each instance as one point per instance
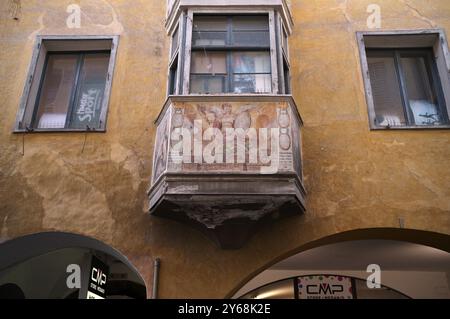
(418, 14)
(129, 161)
(394, 143)
(342, 6)
(53, 202)
(423, 180)
(333, 206)
(33, 34)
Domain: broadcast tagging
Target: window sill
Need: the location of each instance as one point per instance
(421, 127)
(225, 97)
(33, 131)
(232, 95)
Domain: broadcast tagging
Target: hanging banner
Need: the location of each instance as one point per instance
(325, 287)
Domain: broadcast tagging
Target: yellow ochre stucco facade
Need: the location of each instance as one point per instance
(95, 184)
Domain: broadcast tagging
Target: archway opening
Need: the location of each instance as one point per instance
(58, 265)
(358, 265)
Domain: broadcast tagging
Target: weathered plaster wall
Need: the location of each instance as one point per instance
(355, 178)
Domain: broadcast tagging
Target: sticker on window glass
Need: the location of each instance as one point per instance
(88, 107)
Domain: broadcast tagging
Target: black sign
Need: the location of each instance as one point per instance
(98, 278)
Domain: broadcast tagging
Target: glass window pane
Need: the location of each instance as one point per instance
(422, 99)
(252, 83)
(205, 38)
(285, 42)
(210, 23)
(56, 91)
(209, 62)
(88, 103)
(287, 77)
(251, 38)
(386, 91)
(175, 40)
(208, 84)
(251, 62)
(173, 77)
(250, 23)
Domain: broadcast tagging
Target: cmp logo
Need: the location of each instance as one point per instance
(98, 276)
(95, 279)
(99, 273)
(325, 289)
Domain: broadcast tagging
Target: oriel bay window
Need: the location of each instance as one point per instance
(69, 85)
(226, 70)
(230, 54)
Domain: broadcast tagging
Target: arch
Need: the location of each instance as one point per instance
(43, 247)
(292, 280)
(11, 291)
(425, 238)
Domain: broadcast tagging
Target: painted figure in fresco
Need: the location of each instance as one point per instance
(211, 114)
(243, 118)
(161, 148)
(223, 117)
(227, 117)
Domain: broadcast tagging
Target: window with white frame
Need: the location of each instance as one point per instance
(220, 53)
(230, 54)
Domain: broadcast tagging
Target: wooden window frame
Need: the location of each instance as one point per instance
(400, 40)
(81, 55)
(229, 49)
(434, 80)
(173, 76)
(174, 80)
(37, 69)
(282, 45)
(186, 53)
